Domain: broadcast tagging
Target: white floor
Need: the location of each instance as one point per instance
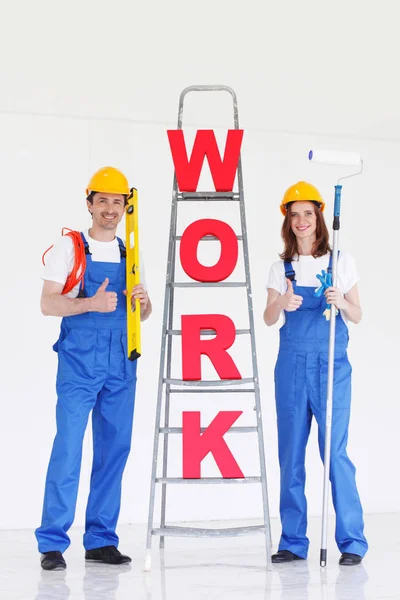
(193, 569)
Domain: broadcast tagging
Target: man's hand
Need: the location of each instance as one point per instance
(104, 301)
(139, 293)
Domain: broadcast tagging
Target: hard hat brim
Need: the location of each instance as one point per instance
(283, 206)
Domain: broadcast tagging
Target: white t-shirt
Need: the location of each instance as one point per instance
(59, 261)
(307, 268)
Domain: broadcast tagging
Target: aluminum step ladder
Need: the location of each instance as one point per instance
(168, 386)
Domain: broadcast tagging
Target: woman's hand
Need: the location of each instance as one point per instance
(290, 301)
(349, 303)
(334, 296)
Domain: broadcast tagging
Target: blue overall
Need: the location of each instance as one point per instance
(301, 375)
(94, 374)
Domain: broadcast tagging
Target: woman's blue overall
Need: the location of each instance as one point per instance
(301, 375)
(94, 374)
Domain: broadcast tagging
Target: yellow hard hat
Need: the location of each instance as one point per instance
(108, 180)
(301, 192)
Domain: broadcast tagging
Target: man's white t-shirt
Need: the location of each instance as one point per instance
(59, 261)
(307, 268)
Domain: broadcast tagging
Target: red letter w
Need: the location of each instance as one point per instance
(222, 171)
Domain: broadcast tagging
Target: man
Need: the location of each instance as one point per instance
(94, 374)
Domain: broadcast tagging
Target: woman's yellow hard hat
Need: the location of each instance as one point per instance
(109, 181)
(301, 192)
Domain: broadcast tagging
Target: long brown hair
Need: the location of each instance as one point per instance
(321, 245)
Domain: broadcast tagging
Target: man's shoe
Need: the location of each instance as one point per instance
(349, 559)
(53, 561)
(107, 554)
(283, 556)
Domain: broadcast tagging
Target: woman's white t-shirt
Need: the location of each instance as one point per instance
(59, 261)
(307, 268)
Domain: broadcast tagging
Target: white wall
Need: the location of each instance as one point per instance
(85, 86)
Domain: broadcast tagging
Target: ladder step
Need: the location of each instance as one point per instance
(220, 391)
(206, 332)
(176, 531)
(207, 196)
(209, 383)
(208, 284)
(202, 429)
(208, 238)
(209, 480)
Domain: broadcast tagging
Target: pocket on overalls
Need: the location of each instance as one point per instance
(130, 366)
(77, 355)
(285, 376)
(341, 380)
(64, 332)
(322, 327)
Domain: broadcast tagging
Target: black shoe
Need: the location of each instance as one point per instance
(107, 554)
(283, 556)
(53, 561)
(349, 559)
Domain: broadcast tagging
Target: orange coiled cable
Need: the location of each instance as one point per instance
(79, 263)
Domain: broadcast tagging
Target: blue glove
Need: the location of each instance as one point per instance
(326, 282)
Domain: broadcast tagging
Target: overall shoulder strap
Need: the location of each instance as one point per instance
(289, 271)
(122, 249)
(85, 243)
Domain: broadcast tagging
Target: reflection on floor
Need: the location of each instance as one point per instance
(193, 569)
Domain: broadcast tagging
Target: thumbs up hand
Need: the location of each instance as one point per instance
(290, 301)
(104, 301)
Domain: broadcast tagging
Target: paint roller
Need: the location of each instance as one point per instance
(337, 159)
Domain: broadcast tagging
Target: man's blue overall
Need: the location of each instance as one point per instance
(93, 374)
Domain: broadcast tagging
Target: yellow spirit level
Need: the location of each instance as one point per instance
(132, 275)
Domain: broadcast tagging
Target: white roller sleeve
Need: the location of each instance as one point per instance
(333, 157)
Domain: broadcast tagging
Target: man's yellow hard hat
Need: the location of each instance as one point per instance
(108, 180)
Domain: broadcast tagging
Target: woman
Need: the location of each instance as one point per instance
(301, 372)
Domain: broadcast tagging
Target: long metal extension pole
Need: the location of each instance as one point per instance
(329, 396)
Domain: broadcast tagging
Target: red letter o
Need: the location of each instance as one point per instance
(229, 250)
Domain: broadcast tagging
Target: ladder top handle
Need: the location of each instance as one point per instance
(209, 88)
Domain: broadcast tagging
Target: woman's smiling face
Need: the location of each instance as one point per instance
(303, 219)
